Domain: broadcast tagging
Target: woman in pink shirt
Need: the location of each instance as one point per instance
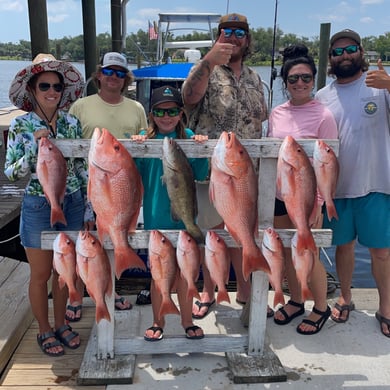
(301, 117)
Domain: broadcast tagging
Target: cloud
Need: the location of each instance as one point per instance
(366, 20)
(6, 5)
(369, 2)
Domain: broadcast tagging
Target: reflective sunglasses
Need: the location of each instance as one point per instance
(305, 77)
(58, 87)
(239, 33)
(121, 74)
(160, 112)
(350, 49)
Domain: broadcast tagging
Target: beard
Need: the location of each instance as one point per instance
(342, 71)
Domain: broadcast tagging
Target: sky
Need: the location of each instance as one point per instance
(300, 17)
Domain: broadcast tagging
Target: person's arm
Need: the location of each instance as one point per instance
(196, 84)
(378, 78)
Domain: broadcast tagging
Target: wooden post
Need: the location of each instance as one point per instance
(37, 14)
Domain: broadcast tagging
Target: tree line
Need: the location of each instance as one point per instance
(139, 46)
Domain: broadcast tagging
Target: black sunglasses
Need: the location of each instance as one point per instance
(350, 49)
(121, 74)
(305, 77)
(238, 32)
(58, 87)
(160, 112)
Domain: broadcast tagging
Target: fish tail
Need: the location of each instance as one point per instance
(306, 241)
(306, 293)
(196, 234)
(223, 296)
(126, 258)
(279, 298)
(168, 307)
(254, 261)
(57, 216)
(102, 313)
(331, 211)
(74, 295)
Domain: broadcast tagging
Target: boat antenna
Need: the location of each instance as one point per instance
(274, 71)
(227, 7)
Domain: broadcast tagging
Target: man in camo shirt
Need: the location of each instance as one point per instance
(220, 94)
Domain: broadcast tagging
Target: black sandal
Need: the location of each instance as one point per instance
(193, 328)
(317, 324)
(41, 338)
(287, 319)
(67, 339)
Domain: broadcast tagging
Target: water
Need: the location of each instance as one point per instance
(362, 276)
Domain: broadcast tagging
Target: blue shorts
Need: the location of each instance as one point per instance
(35, 217)
(366, 218)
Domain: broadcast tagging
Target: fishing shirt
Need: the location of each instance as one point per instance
(122, 120)
(156, 202)
(230, 104)
(363, 117)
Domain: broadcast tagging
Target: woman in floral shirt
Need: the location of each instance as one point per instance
(43, 89)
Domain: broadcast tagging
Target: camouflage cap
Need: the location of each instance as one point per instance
(233, 20)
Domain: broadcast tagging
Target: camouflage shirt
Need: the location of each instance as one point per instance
(230, 105)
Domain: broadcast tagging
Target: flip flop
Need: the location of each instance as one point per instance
(75, 309)
(194, 328)
(342, 308)
(121, 300)
(383, 320)
(155, 329)
(200, 305)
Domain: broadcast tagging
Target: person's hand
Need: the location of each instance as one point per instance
(38, 134)
(200, 138)
(139, 138)
(221, 52)
(378, 78)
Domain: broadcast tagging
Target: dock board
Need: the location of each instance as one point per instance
(15, 311)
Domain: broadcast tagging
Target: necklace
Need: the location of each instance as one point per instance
(48, 121)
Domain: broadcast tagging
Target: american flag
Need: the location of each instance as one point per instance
(152, 31)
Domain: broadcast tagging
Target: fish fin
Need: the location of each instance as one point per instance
(331, 211)
(305, 240)
(223, 296)
(57, 216)
(254, 261)
(306, 293)
(74, 296)
(61, 283)
(126, 258)
(279, 298)
(102, 313)
(168, 307)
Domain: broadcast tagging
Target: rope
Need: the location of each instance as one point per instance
(9, 239)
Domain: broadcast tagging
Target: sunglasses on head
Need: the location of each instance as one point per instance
(58, 87)
(305, 77)
(238, 32)
(121, 74)
(160, 112)
(350, 49)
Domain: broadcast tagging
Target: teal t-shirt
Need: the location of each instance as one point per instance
(156, 203)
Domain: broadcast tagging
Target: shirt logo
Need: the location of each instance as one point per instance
(371, 108)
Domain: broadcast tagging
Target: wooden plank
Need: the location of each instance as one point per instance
(265, 148)
(14, 306)
(140, 239)
(117, 370)
(256, 369)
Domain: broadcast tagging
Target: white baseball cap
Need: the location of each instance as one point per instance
(114, 58)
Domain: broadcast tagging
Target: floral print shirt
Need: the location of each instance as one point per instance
(22, 152)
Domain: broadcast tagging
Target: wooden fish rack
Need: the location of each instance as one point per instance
(110, 355)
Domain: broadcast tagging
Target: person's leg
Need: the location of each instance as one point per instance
(192, 331)
(155, 332)
(381, 271)
(73, 310)
(41, 262)
(200, 308)
(289, 309)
